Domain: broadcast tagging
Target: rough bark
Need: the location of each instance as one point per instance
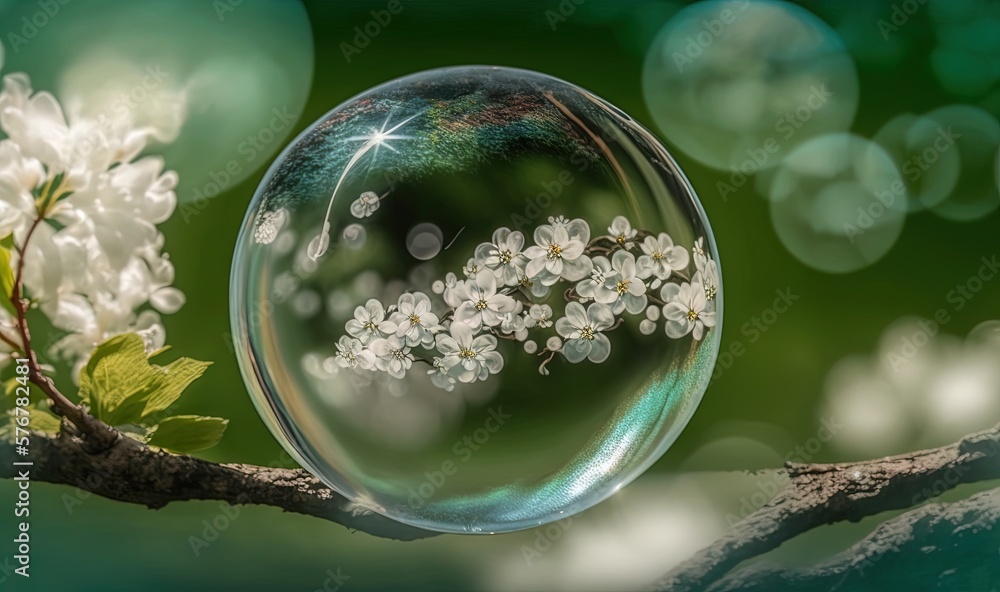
(821, 494)
(129, 471)
(954, 546)
(817, 494)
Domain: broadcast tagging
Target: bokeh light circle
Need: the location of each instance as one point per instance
(976, 135)
(737, 85)
(564, 221)
(222, 83)
(924, 153)
(424, 241)
(838, 203)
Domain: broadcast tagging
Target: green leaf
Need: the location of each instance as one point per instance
(188, 433)
(178, 375)
(43, 420)
(39, 420)
(6, 276)
(121, 386)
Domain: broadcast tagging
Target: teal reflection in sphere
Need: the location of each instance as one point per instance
(519, 299)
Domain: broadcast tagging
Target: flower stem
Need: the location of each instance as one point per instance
(101, 434)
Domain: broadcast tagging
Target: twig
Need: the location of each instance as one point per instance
(821, 494)
(100, 436)
(906, 550)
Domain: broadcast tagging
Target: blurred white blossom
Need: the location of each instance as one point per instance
(922, 388)
(95, 263)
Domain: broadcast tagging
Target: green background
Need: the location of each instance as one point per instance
(104, 545)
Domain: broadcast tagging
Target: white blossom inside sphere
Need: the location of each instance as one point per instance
(499, 281)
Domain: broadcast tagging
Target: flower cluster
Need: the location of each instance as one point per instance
(503, 291)
(82, 208)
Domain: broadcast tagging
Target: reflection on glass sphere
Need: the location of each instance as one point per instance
(737, 85)
(484, 361)
(838, 203)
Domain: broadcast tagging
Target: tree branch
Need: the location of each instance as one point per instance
(908, 551)
(129, 471)
(818, 494)
(821, 494)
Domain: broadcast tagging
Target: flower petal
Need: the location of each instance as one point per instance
(600, 349)
(576, 350)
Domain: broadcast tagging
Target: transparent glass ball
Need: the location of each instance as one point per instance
(476, 299)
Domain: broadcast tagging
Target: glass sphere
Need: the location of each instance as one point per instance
(483, 246)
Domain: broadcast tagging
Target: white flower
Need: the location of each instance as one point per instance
(512, 323)
(708, 276)
(96, 256)
(480, 302)
(369, 322)
(392, 355)
(627, 285)
(539, 315)
(471, 268)
(698, 250)
(449, 290)
(365, 205)
(504, 256)
(582, 329)
(468, 359)
(439, 375)
(414, 319)
(19, 177)
(556, 254)
(351, 353)
(686, 310)
(623, 233)
(535, 288)
(661, 256)
(600, 285)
